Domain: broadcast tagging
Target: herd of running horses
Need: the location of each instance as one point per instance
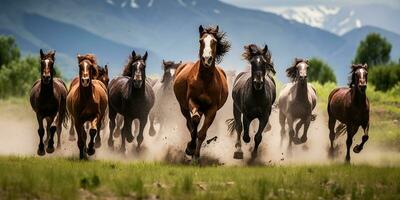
(201, 89)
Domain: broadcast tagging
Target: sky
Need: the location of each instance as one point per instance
(263, 3)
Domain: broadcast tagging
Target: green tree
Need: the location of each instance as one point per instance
(385, 77)
(320, 71)
(373, 50)
(9, 50)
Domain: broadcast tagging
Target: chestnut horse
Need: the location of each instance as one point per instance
(48, 98)
(132, 97)
(351, 107)
(87, 102)
(103, 77)
(201, 87)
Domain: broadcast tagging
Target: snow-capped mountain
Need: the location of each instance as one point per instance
(340, 19)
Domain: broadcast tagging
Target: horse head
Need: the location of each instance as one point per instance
(298, 71)
(88, 69)
(136, 69)
(103, 75)
(359, 77)
(260, 60)
(47, 66)
(169, 68)
(213, 45)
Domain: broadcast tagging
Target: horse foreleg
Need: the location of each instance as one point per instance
(40, 150)
(238, 154)
(59, 130)
(119, 122)
(72, 131)
(152, 131)
(303, 138)
(296, 139)
(50, 134)
(364, 139)
(191, 145)
(92, 132)
(351, 131)
(258, 136)
(139, 138)
(127, 129)
(111, 115)
(291, 134)
(282, 120)
(246, 127)
(97, 143)
(208, 120)
(81, 140)
(332, 135)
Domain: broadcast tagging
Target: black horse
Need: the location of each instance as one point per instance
(253, 95)
(132, 97)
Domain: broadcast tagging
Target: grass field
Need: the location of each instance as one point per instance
(59, 178)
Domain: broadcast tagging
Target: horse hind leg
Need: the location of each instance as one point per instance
(97, 143)
(139, 138)
(119, 122)
(332, 135)
(72, 131)
(93, 131)
(291, 134)
(59, 130)
(112, 115)
(152, 130)
(351, 131)
(364, 139)
(238, 154)
(40, 150)
(208, 120)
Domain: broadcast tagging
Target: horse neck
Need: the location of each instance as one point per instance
(205, 73)
(85, 92)
(136, 91)
(301, 90)
(47, 89)
(357, 97)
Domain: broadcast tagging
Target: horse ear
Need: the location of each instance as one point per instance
(365, 66)
(265, 49)
(180, 62)
(106, 69)
(133, 53)
(145, 56)
(41, 53)
(79, 57)
(53, 54)
(217, 29)
(201, 29)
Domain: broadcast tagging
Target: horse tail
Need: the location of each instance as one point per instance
(231, 125)
(340, 130)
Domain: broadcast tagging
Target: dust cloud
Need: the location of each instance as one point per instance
(18, 136)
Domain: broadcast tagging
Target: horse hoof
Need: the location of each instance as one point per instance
(91, 151)
(246, 138)
(117, 133)
(83, 156)
(53, 129)
(238, 155)
(41, 152)
(254, 155)
(357, 149)
(303, 139)
(129, 138)
(50, 149)
(189, 151)
(152, 132)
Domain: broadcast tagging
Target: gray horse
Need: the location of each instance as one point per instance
(296, 101)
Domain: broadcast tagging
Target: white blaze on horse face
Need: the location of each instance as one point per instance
(303, 69)
(172, 72)
(363, 73)
(207, 51)
(138, 73)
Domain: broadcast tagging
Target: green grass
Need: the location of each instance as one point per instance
(60, 178)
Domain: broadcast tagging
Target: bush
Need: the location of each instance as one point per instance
(320, 71)
(385, 77)
(9, 50)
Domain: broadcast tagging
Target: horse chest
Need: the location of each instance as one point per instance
(48, 105)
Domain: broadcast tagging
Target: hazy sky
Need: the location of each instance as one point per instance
(263, 3)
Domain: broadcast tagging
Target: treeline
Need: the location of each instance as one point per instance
(17, 74)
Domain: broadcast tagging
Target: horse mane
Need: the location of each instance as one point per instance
(352, 76)
(223, 45)
(49, 55)
(90, 57)
(127, 68)
(291, 72)
(253, 50)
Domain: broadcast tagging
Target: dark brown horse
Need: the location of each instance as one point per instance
(48, 97)
(87, 102)
(132, 97)
(102, 75)
(201, 88)
(351, 107)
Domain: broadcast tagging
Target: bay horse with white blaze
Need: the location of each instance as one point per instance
(253, 95)
(201, 88)
(350, 106)
(48, 98)
(296, 101)
(87, 102)
(132, 97)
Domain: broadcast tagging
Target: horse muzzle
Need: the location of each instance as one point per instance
(207, 60)
(258, 85)
(46, 79)
(362, 87)
(137, 83)
(85, 81)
